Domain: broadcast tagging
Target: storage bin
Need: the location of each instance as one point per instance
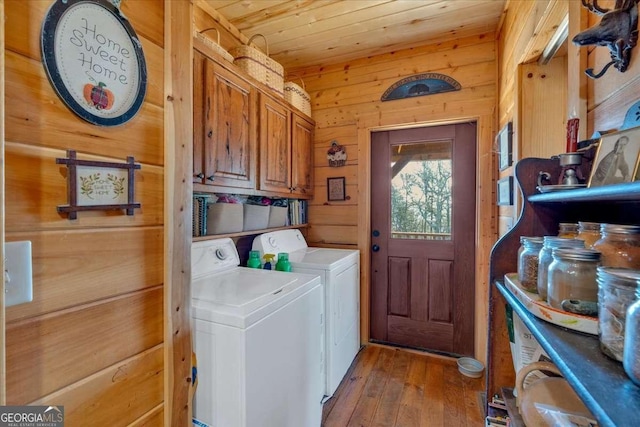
(214, 45)
(255, 217)
(258, 65)
(224, 218)
(277, 216)
(298, 97)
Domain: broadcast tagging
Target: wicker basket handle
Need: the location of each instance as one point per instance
(263, 38)
(212, 28)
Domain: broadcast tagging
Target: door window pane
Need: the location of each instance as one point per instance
(421, 190)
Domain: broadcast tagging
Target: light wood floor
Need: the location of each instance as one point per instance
(388, 387)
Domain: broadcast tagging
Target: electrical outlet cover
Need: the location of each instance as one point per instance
(18, 283)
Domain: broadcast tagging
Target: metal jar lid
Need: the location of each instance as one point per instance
(620, 229)
(626, 277)
(562, 242)
(576, 254)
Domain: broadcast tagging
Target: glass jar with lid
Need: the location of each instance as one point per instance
(572, 276)
(545, 258)
(528, 262)
(631, 353)
(589, 232)
(616, 293)
(619, 245)
(568, 230)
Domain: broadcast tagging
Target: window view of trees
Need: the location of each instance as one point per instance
(421, 200)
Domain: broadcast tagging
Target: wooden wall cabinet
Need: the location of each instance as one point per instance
(224, 127)
(286, 147)
(599, 381)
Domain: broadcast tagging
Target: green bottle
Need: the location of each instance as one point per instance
(283, 262)
(254, 259)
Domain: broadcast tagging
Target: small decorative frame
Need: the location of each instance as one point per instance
(504, 143)
(505, 191)
(93, 185)
(617, 158)
(336, 189)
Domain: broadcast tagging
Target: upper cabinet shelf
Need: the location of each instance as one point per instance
(616, 192)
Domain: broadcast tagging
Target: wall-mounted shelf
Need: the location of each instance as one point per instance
(246, 233)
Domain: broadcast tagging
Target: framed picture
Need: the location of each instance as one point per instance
(335, 189)
(504, 143)
(505, 191)
(616, 160)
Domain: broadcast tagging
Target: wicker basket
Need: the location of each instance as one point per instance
(259, 66)
(298, 97)
(215, 46)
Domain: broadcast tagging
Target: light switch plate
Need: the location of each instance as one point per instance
(18, 284)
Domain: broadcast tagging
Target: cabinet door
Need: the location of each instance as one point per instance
(228, 129)
(198, 123)
(275, 146)
(302, 156)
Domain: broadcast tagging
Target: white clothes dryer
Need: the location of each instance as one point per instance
(339, 271)
(257, 340)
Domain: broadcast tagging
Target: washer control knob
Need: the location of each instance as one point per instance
(221, 254)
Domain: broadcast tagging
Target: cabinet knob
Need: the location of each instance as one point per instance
(200, 175)
(210, 134)
(211, 178)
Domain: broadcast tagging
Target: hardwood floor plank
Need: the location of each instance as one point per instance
(433, 403)
(350, 389)
(368, 402)
(472, 387)
(389, 404)
(413, 394)
(388, 387)
(453, 397)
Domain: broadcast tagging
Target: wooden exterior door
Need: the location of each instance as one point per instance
(302, 153)
(275, 146)
(423, 211)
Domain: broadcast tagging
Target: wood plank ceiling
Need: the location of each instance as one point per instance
(304, 33)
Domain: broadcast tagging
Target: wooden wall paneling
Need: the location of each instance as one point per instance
(3, 366)
(55, 350)
(543, 108)
(546, 22)
(576, 64)
(203, 7)
(178, 148)
(153, 418)
(68, 273)
(38, 117)
(460, 55)
(38, 185)
(315, 75)
(339, 234)
(610, 114)
(24, 14)
(475, 76)
(116, 395)
(335, 214)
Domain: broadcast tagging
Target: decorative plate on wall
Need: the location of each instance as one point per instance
(94, 60)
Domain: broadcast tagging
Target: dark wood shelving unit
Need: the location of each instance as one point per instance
(599, 381)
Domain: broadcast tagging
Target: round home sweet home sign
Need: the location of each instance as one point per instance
(94, 60)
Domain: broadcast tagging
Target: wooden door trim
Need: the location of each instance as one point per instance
(178, 188)
(3, 370)
(485, 213)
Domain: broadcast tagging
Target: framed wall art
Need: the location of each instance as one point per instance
(94, 185)
(617, 158)
(505, 191)
(505, 146)
(94, 60)
(336, 189)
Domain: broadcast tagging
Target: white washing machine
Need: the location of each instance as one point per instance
(339, 271)
(257, 339)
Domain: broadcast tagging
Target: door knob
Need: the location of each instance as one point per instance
(375, 248)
